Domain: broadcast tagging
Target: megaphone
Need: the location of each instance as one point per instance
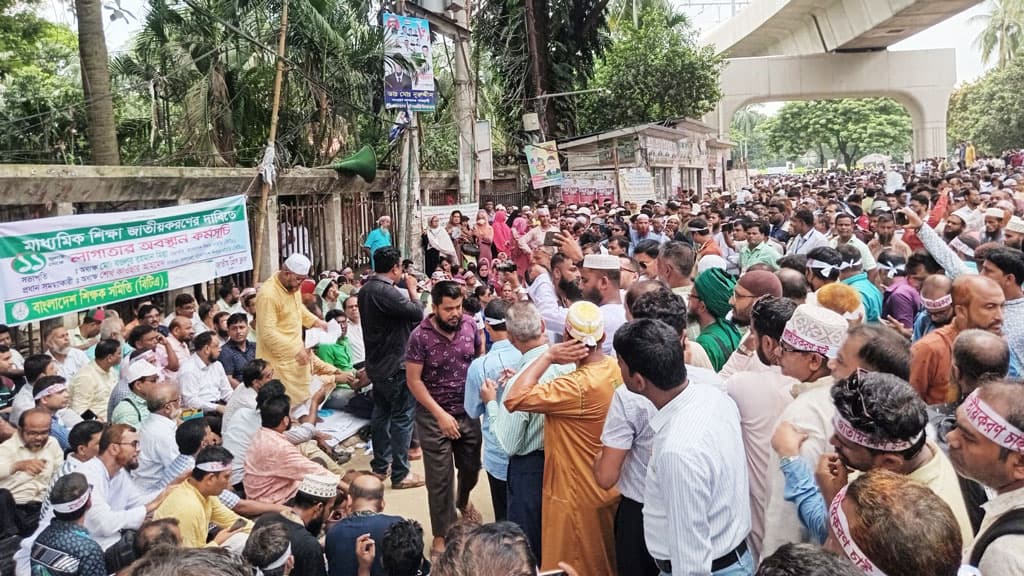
(363, 164)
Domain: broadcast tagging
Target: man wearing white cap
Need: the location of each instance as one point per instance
(993, 232)
(280, 318)
(574, 408)
(1014, 233)
(599, 282)
(812, 337)
(310, 508)
(142, 378)
(534, 239)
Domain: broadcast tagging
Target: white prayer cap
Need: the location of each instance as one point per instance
(995, 213)
(140, 369)
(298, 264)
(1016, 225)
(601, 262)
(323, 486)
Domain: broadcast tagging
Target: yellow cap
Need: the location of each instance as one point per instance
(585, 323)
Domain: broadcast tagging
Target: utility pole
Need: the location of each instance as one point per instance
(408, 185)
(534, 52)
(465, 111)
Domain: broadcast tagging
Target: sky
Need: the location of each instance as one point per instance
(957, 32)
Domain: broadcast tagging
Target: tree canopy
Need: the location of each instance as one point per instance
(988, 111)
(654, 71)
(846, 129)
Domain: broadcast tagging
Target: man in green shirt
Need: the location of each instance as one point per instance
(142, 380)
(709, 305)
(339, 354)
(757, 250)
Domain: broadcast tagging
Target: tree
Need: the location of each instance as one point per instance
(988, 112)
(1004, 30)
(99, 99)
(848, 128)
(653, 72)
(748, 132)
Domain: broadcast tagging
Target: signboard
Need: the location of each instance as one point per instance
(636, 185)
(584, 187)
(544, 167)
(627, 153)
(408, 65)
(444, 213)
(88, 260)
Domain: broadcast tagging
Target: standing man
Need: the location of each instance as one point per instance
(280, 318)
(675, 267)
(599, 282)
(757, 250)
(708, 306)
(696, 515)
(844, 227)
(574, 408)
(491, 366)
(388, 316)
(806, 236)
(379, 237)
(1006, 267)
(851, 273)
(440, 351)
(986, 447)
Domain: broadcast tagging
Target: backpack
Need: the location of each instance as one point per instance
(1010, 523)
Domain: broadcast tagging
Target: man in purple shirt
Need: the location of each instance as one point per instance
(440, 351)
(900, 300)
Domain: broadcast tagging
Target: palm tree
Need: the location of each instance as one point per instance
(99, 100)
(1003, 34)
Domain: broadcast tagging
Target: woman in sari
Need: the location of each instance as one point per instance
(502, 235)
(483, 233)
(436, 243)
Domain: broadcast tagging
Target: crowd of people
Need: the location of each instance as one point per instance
(818, 374)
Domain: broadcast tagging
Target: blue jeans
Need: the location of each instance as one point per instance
(743, 567)
(391, 426)
(525, 484)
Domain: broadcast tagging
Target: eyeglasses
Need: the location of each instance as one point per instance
(133, 444)
(630, 270)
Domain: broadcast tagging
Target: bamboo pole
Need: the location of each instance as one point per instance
(271, 137)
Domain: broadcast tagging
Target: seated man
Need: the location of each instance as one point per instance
(304, 521)
(366, 507)
(274, 466)
(156, 436)
(65, 543)
(91, 387)
(204, 385)
(51, 395)
(28, 462)
(194, 503)
(142, 378)
(339, 354)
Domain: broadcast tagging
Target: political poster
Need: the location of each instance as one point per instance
(56, 266)
(408, 66)
(544, 167)
(636, 185)
(584, 187)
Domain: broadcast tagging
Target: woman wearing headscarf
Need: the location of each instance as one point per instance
(517, 255)
(436, 243)
(483, 233)
(502, 235)
(483, 271)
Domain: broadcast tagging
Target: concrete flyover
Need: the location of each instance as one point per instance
(920, 80)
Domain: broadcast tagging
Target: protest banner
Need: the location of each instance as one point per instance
(544, 166)
(408, 64)
(584, 187)
(56, 266)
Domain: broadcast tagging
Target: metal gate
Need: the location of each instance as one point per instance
(302, 228)
(359, 214)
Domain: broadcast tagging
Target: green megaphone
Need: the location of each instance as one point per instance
(363, 164)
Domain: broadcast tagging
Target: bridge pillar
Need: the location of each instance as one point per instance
(921, 80)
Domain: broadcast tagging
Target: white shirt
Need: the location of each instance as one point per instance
(236, 437)
(202, 384)
(73, 362)
(695, 500)
(626, 427)
(17, 360)
(614, 316)
(355, 343)
(242, 397)
(157, 449)
(116, 503)
(542, 293)
(807, 242)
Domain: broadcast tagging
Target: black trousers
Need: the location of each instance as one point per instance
(499, 497)
(525, 494)
(631, 555)
(17, 519)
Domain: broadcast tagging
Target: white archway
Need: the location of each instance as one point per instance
(921, 80)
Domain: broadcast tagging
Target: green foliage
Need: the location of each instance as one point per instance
(653, 72)
(747, 131)
(988, 111)
(1003, 34)
(846, 128)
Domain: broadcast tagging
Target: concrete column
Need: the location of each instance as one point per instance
(930, 123)
(332, 228)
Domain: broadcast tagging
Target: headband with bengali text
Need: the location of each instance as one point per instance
(214, 467)
(846, 430)
(51, 389)
(73, 506)
(939, 303)
(991, 425)
(841, 529)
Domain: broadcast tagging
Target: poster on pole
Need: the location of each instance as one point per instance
(56, 266)
(586, 186)
(544, 167)
(408, 66)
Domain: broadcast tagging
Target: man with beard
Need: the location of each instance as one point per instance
(1014, 233)
(879, 423)
(599, 283)
(994, 456)
(204, 385)
(304, 521)
(936, 303)
(956, 224)
(844, 227)
(117, 503)
(440, 351)
(885, 238)
(641, 231)
(179, 339)
(69, 360)
(778, 219)
(752, 286)
(993, 231)
(566, 278)
(708, 306)
(977, 303)
(28, 462)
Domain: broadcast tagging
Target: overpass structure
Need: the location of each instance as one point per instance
(817, 49)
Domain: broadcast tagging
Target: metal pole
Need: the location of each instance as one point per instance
(271, 137)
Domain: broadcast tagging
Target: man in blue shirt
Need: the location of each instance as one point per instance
(852, 274)
(237, 352)
(480, 389)
(366, 502)
(379, 237)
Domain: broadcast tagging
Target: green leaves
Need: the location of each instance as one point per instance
(651, 73)
(988, 111)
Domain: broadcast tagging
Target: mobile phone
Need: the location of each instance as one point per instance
(550, 240)
(900, 218)
(238, 525)
(553, 573)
